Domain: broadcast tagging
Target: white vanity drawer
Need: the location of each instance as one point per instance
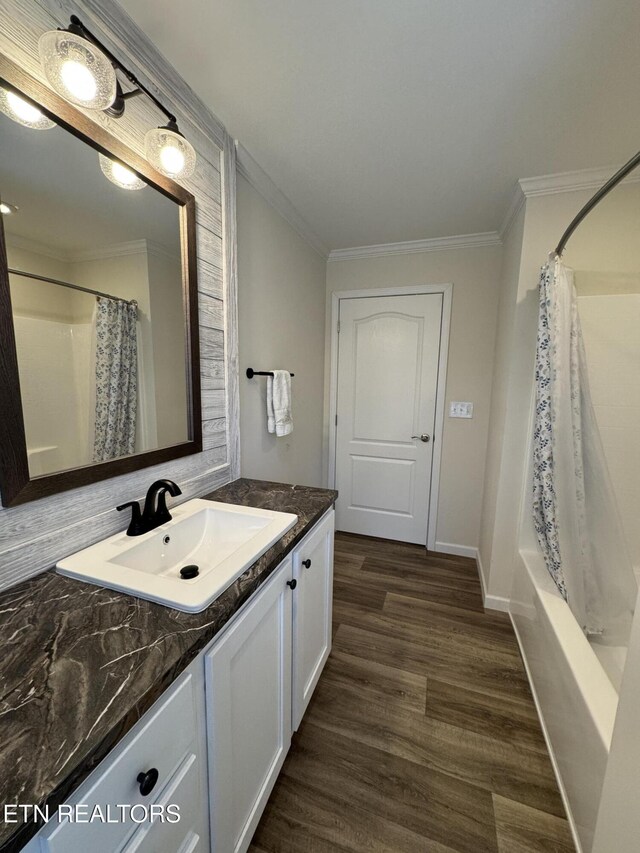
(161, 740)
(181, 837)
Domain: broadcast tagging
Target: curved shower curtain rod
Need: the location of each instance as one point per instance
(613, 181)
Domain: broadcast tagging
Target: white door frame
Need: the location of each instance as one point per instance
(447, 297)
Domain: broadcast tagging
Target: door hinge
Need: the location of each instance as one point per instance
(336, 420)
(338, 326)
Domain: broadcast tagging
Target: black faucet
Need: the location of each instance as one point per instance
(155, 510)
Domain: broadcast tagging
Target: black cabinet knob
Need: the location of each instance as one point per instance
(306, 564)
(147, 781)
(292, 583)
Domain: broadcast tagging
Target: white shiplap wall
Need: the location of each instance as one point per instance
(34, 535)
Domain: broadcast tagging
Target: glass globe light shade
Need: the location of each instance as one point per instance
(170, 153)
(120, 175)
(23, 112)
(77, 69)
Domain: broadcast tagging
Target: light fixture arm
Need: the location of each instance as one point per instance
(80, 29)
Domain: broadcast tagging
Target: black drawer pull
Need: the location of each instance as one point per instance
(292, 583)
(147, 781)
(306, 564)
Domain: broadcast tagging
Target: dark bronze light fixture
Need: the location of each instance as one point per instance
(84, 72)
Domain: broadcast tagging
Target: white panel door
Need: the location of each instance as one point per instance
(388, 356)
(248, 682)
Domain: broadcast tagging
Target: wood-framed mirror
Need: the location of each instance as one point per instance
(99, 347)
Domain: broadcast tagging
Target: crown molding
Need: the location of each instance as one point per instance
(262, 183)
(433, 244)
(116, 250)
(26, 244)
(563, 182)
(121, 250)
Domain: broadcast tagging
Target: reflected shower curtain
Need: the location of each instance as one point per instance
(575, 513)
(116, 378)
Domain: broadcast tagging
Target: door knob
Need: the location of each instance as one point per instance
(424, 437)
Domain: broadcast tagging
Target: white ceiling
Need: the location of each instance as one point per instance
(395, 120)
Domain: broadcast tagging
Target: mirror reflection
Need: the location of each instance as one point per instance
(95, 273)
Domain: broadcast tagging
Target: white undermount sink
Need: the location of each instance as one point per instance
(221, 539)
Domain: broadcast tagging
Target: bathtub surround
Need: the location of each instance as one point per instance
(609, 308)
(564, 670)
(33, 536)
(540, 211)
(575, 514)
(124, 652)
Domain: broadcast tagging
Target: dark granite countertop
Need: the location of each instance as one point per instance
(80, 664)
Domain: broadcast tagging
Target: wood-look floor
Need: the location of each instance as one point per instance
(422, 736)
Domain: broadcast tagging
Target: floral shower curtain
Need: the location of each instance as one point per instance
(116, 378)
(574, 508)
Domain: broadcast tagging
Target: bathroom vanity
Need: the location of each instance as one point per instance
(129, 703)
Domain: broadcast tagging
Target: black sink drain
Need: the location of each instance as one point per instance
(189, 572)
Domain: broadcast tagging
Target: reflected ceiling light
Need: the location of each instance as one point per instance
(23, 112)
(7, 209)
(77, 69)
(170, 153)
(120, 175)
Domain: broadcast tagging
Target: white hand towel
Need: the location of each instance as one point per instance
(279, 418)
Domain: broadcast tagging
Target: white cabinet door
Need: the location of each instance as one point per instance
(248, 685)
(312, 600)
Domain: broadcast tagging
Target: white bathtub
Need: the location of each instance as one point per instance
(576, 699)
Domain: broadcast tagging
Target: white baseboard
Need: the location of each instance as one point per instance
(491, 602)
(456, 550)
(552, 756)
(496, 602)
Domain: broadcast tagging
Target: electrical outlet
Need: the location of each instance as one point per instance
(460, 410)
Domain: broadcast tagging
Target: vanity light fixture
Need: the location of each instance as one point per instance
(119, 174)
(19, 109)
(77, 69)
(170, 153)
(7, 209)
(81, 69)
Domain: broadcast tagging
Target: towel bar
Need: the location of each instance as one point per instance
(251, 373)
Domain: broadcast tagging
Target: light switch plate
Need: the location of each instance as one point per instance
(460, 410)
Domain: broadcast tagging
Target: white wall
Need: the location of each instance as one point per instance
(509, 277)
(281, 287)
(474, 274)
